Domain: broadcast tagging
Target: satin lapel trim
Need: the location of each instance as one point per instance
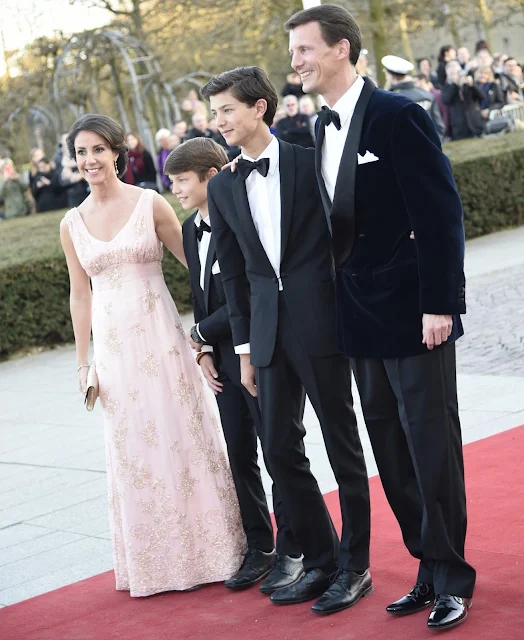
(245, 217)
(287, 191)
(195, 274)
(345, 186)
(326, 201)
(211, 257)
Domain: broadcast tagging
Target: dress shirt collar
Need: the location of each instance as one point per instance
(272, 152)
(345, 106)
(198, 218)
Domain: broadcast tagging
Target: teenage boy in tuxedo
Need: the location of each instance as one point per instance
(269, 226)
(189, 167)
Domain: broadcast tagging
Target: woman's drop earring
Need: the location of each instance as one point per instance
(116, 166)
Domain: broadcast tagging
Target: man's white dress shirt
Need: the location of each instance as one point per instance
(334, 140)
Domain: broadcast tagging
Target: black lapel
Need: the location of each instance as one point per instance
(193, 259)
(245, 218)
(326, 201)
(211, 257)
(287, 191)
(343, 209)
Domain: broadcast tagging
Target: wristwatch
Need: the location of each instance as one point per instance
(195, 336)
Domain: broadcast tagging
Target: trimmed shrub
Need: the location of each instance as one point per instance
(489, 173)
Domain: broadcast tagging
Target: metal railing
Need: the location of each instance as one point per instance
(513, 111)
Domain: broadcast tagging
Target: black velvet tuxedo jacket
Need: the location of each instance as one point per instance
(385, 280)
(306, 269)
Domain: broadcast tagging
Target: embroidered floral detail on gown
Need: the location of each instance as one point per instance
(173, 509)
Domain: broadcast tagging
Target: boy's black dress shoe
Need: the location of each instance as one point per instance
(256, 565)
(421, 596)
(311, 585)
(347, 589)
(285, 572)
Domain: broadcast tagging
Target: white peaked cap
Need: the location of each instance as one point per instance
(397, 65)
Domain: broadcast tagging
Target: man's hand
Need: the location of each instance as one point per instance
(247, 374)
(207, 364)
(232, 165)
(197, 346)
(435, 329)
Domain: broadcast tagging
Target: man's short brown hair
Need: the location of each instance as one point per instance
(198, 155)
(247, 85)
(336, 24)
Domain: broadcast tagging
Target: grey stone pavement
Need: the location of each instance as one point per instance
(53, 515)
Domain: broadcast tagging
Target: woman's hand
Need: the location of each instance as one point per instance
(82, 379)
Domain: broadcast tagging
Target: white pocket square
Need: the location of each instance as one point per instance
(367, 157)
(215, 268)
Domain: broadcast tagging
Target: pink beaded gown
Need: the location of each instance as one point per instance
(174, 513)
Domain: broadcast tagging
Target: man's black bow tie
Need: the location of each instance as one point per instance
(203, 226)
(328, 116)
(245, 167)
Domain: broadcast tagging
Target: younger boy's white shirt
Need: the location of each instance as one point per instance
(203, 250)
(263, 194)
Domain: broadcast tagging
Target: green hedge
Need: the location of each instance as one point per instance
(489, 173)
(34, 284)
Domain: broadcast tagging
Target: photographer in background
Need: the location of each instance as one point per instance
(46, 189)
(74, 185)
(455, 95)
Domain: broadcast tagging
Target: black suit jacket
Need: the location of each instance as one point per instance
(307, 269)
(210, 305)
(385, 280)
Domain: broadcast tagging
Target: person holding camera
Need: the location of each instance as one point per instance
(458, 93)
(75, 187)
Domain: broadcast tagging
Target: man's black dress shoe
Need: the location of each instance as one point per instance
(311, 585)
(346, 590)
(286, 571)
(421, 596)
(448, 612)
(257, 564)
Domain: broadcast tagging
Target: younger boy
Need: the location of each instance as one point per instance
(189, 167)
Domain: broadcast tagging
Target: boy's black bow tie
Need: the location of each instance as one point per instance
(328, 116)
(245, 167)
(203, 226)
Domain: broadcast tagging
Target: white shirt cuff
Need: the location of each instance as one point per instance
(206, 348)
(198, 331)
(243, 349)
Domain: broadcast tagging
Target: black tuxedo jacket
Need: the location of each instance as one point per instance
(306, 269)
(209, 305)
(385, 280)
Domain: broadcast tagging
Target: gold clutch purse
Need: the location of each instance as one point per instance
(92, 387)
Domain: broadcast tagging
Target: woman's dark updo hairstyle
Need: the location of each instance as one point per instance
(108, 129)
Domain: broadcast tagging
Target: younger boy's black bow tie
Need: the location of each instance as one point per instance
(245, 167)
(203, 226)
(328, 116)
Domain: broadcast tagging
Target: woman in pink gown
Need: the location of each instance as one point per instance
(173, 509)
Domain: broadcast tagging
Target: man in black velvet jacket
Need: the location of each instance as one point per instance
(398, 242)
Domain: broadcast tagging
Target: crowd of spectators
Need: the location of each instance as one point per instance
(468, 88)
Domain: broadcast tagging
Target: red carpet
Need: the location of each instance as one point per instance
(93, 610)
